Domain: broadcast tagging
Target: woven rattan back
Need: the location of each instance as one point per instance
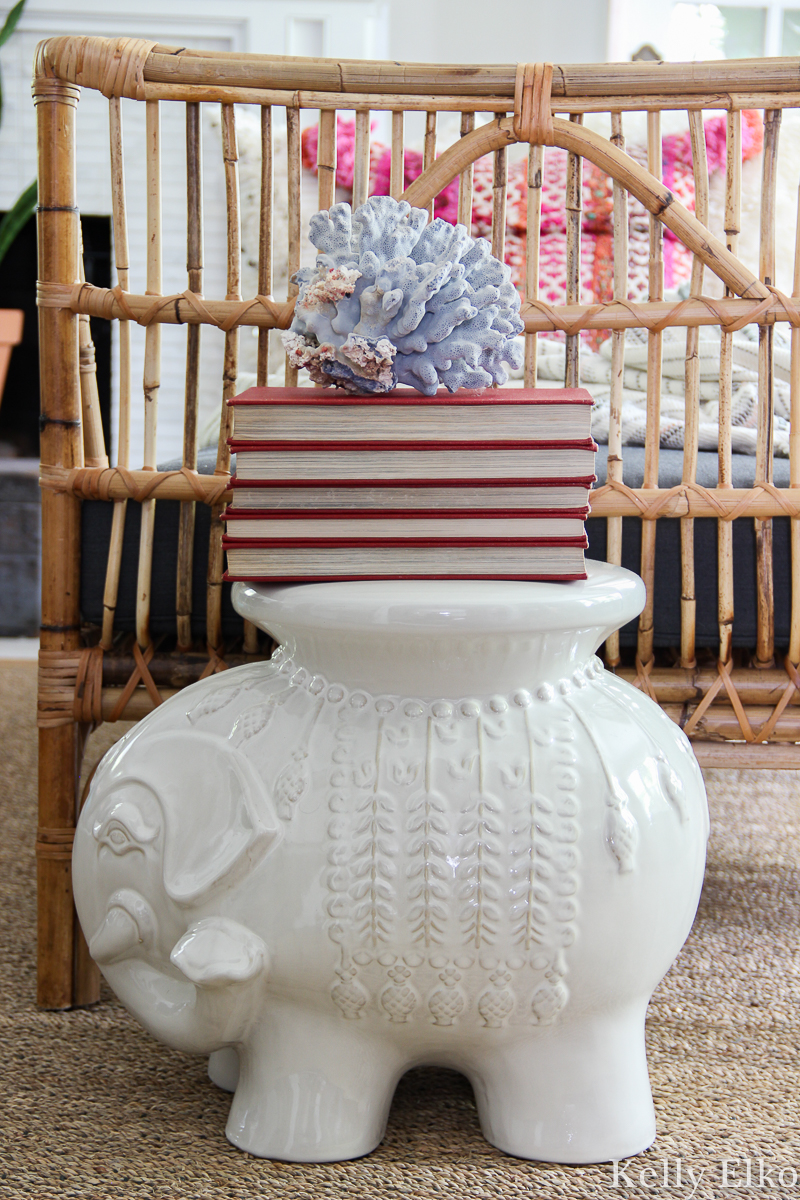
(732, 710)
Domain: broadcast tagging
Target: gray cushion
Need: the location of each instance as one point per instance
(96, 534)
(96, 527)
(667, 615)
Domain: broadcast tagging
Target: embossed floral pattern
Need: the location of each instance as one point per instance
(453, 829)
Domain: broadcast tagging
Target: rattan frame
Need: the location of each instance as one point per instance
(737, 715)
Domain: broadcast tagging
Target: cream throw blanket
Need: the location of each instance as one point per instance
(596, 378)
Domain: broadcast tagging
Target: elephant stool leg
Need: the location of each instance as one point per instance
(312, 1089)
(223, 1068)
(575, 1092)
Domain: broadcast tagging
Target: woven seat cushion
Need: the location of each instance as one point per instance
(96, 531)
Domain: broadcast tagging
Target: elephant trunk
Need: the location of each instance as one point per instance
(223, 968)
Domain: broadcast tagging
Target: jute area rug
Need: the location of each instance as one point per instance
(92, 1107)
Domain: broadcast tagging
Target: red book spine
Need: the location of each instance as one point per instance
(541, 577)
(583, 481)
(278, 445)
(379, 514)
(397, 543)
(315, 397)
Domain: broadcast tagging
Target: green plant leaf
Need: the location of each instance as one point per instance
(24, 207)
(11, 21)
(9, 25)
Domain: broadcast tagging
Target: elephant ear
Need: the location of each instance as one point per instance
(218, 817)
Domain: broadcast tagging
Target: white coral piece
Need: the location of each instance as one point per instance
(396, 300)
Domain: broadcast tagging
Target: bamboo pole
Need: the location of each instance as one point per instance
(464, 182)
(731, 756)
(177, 310)
(672, 685)
(118, 484)
(717, 747)
(678, 502)
(265, 240)
(721, 722)
(178, 671)
(94, 443)
(94, 449)
(326, 179)
(264, 288)
(429, 152)
(326, 159)
(614, 467)
(653, 426)
(692, 404)
(688, 685)
(765, 600)
(229, 372)
(718, 726)
(361, 158)
(397, 172)
(794, 454)
(574, 207)
(532, 239)
(733, 101)
(733, 200)
(704, 502)
(61, 445)
(499, 193)
(82, 60)
(758, 690)
(121, 259)
(167, 65)
(138, 706)
(194, 263)
(640, 182)
(294, 216)
(152, 369)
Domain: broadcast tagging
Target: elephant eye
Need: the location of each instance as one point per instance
(118, 839)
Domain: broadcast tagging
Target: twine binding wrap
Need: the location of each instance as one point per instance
(112, 66)
(55, 843)
(181, 308)
(119, 483)
(263, 311)
(533, 119)
(71, 686)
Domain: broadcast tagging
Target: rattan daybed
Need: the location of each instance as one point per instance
(734, 688)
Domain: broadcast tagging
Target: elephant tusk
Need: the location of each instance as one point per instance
(129, 924)
(116, 938)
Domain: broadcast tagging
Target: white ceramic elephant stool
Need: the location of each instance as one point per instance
(433, 829)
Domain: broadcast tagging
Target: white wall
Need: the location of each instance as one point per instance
(421, 30)
(634, 23)
(499, 31)
(337, 28)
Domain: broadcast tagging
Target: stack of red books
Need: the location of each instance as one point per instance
(476, 485)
